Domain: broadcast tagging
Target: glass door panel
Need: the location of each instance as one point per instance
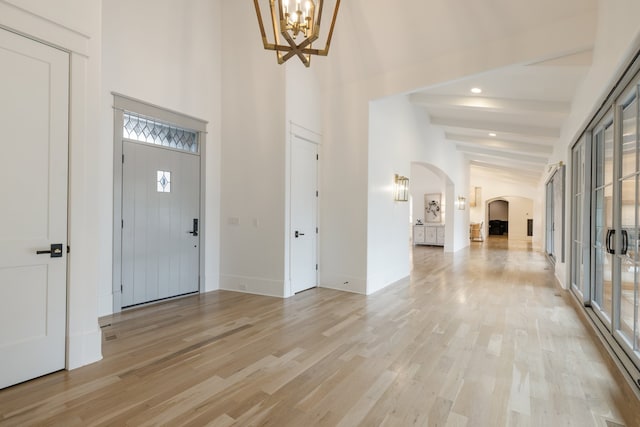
(628, 142)
(608, 154)
(627, 290)
(628, 259)
(603, 227)
(577, 271)
(604, 240)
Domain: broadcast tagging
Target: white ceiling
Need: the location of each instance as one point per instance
(525, 107)
(524, 104)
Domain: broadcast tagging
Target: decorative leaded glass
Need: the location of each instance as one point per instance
(164, 182)
(147, 130)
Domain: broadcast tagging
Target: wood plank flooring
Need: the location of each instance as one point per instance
(479, 338)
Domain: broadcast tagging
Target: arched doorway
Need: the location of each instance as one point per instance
(428, 184)
(509, 217)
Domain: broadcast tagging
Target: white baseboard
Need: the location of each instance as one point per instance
(253, 285)
(84, 349)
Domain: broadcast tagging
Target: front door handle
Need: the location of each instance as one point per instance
(194, 231)
(55, 251)
(298, 234)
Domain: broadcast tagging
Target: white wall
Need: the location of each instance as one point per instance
(399, 134)
(253, 159)
(169, 54)
(343, 189)
(75, 25)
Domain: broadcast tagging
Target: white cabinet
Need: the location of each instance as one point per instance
(428, 235)
(440, 235)
(418, 235)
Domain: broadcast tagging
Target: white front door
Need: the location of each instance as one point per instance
(34, 94)
(160, 211)
(304, 201)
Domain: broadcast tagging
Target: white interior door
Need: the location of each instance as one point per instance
(34, 88)
(304, 202)
(160, 202)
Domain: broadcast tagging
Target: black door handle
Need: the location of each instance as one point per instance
(55, 251)
(194, 231)
(625, 242)
(298, 234)
(610, 234)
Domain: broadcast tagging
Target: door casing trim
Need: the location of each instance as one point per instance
(123, 103)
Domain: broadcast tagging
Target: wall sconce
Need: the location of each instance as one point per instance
(401, 193)
(462, 203)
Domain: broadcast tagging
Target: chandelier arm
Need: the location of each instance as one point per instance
(274, 21)
(321, 6)
(263, 33)
(325, 51)
(295, 49)
(300, 49)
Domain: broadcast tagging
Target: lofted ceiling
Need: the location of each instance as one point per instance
(525, 105)
(510, 128)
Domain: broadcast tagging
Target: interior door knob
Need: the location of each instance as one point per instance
(55, 251)
(298, 234)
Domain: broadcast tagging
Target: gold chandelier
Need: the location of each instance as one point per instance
(293, 20)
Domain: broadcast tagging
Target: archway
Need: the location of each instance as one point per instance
(498, 217)
(428, 179)
(518, 224)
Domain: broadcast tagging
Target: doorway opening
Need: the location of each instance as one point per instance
(509, 218)
(498, 213)
(432, 206)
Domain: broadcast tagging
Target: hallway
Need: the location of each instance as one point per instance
(479, 338)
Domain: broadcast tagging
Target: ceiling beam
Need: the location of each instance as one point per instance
(501, 144)
(504, 168)
(493, 105)
(502, 128)
(523, 169)
(522, 158)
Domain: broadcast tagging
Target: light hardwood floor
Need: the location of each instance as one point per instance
(479, 338)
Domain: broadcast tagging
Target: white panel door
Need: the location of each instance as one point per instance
(34, 93)
(304, 199)
(160, 201)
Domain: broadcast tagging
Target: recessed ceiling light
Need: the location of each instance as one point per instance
(476, 90)
(493, 134)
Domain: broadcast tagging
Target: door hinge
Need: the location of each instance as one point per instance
(121, 288)
(68, 249)
(316, 230)
(123, 158)
(122, 223)
(317, 157)
(316, 193)
(316, 267)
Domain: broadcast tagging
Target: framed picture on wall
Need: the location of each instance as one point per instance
(432, 207)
